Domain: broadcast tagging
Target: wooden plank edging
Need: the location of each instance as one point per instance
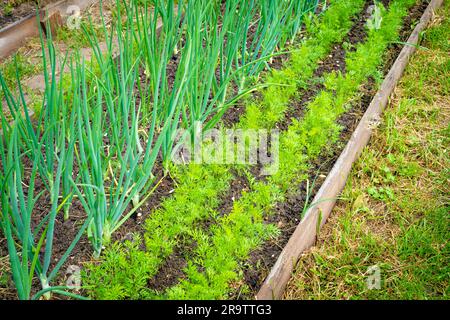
(13, 36)
(305, 234)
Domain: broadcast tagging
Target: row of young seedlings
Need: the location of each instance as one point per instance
(101, 129)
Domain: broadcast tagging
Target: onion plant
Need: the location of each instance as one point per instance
(29, 243)
(34, 151)
(220, 33)
(196, 34)
(275, 21)
(220, 44)
(214, 35)
(115, 155)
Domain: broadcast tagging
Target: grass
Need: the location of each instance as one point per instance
(393, 212)
(23, 64)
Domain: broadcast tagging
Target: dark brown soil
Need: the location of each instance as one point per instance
(12, 11)
(171, 272)
(239, 185)
(286, 216)
(134, 224)
(409, 24)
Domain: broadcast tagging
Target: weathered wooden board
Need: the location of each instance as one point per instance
(15, 35)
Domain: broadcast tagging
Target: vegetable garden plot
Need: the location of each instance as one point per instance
(99, 153)
(13, 10)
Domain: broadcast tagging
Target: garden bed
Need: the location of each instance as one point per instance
(13, 11)
(214, 231)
